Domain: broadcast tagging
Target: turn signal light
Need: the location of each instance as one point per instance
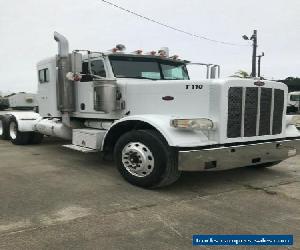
(200, 123)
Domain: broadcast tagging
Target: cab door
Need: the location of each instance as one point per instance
(85, 88)
(47, 99)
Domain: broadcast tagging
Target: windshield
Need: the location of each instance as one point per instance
(148, 68)
(295, 98)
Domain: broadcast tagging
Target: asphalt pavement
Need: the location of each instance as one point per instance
(55, 198)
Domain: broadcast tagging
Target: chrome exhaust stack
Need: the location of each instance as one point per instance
(63, 44)
(65, 87)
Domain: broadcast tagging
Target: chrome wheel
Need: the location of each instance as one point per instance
(13, 130)
(1, 127)
(138, 159)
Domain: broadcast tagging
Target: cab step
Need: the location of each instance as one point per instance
(80, 148)
(86, 140)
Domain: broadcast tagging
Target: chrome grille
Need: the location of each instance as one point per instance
(254, 111)
(265, 111)
(251, 108)
(278, 111)
(235, 98)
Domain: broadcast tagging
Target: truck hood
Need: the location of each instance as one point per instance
(227, 102)
(184, 98)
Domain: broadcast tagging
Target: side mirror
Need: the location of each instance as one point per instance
(76, 61)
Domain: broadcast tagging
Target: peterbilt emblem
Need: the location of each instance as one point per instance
(259, 83)
(168, 98)
(194, 86)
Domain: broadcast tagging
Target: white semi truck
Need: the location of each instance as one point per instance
(145, 111)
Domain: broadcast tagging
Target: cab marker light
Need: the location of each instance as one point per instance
(118, 48)
(175, 57)
(121, 47)
(162, 53)
(114, 50)
(151, 53)
(138, 52)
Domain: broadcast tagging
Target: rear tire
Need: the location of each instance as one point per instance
(4, 130)
(17, 137)
(36, 138)
(144, 159)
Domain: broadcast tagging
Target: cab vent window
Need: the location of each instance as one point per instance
(44, 75)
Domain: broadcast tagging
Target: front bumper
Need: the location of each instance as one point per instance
(222, 158)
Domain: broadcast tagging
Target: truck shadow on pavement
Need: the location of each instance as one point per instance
(241, 177)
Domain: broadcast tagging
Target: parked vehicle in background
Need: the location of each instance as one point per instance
(143, 109)
(19, 101)
(293, 102)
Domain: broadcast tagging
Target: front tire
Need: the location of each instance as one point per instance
(144, 159)
(17, 137)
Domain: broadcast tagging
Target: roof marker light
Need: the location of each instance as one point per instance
(114, 50)
(164, 52)
(120, 47)
(138, 52)
(175, 57)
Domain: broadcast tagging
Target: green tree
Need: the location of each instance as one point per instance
(293, 83)
(241, 74)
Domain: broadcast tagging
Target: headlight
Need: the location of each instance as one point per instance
(201, 123)
(295, 120)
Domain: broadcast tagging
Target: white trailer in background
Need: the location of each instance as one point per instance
(156, 122)
(19, 101)
(23, 101)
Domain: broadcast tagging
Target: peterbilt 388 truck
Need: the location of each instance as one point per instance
(143, 109)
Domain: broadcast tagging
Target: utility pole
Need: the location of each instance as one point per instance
(254, 45)
(259, 63)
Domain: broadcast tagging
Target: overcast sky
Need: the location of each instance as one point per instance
(26, 33)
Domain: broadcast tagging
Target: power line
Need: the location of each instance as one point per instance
(170, 27)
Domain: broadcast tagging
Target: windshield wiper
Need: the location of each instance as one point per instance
(174, 78)
(139, 77)
(143, 77)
